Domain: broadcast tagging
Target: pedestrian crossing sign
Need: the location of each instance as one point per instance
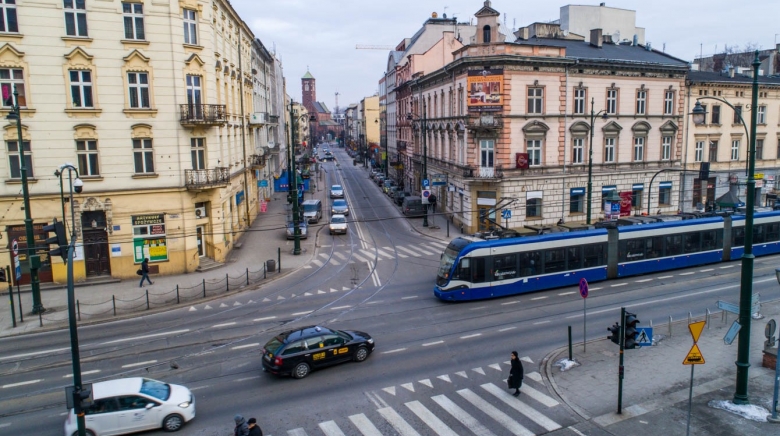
(644, 336)
(694, 356)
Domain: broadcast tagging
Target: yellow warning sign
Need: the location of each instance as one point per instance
(694, 356)
(696, 328)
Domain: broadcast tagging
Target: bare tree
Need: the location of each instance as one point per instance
(735, 56)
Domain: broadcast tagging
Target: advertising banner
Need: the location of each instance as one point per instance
(485, 88)
(521, 161)
(149, 238)
(625, 203)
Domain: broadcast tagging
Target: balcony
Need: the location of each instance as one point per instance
(484, 123)
(484, 173)
(401, 145)
(202, 115)
(257, 161)
(206, 179)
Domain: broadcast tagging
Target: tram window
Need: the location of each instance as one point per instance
(478, 269)
(530, 262)
(772, 232)
(654, 247)
(574, 258)
(737, 236)
(635, 250)
(594, 255)
(691, 242)
(673, 245)
(759, 234)
(505, 266)
(463, 271)
(554, 260)
(709, 240)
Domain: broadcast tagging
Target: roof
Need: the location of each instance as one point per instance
(710, 77)
(398, 56)
(329, 123)
(307, 75)
(320, 107)
(617, 53)
(122, 386)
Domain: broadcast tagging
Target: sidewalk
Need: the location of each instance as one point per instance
(656, 383)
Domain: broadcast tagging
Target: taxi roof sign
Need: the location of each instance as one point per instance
(694, 356)
(696, 328)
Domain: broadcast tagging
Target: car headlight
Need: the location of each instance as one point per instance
(370, 341)
(185, 404)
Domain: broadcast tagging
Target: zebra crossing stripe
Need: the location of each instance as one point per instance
(330, 428)
(359, 258)
(382, 253)
(502, 418)
(426, 382)
(335, 262)
(535, 376)
(317, 262)
(368, 253)
(402, 427)
(296, 432)
(461, 415)
(413, 253)
(538, 396)
(423, 251)
(436, 424)
(396, 252)
(342, 257)
(547, 423)
(364, 425)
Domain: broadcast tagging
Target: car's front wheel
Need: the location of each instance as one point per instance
(361, 354)
(173, 422)
(300, 371)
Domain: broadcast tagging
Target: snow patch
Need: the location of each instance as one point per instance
(566, 364)
(749, 411)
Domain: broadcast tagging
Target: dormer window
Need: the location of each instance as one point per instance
(486, 34)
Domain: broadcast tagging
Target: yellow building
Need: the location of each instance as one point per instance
(145, 99)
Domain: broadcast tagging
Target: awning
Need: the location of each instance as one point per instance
(729, 200)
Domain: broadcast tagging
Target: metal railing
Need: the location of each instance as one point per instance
(203, 114)
(198, 179)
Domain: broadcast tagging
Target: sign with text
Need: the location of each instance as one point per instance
(485, 89)
(149, 238)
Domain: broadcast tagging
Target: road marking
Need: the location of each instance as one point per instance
(340, 307)
(643, 281)
(665, 277)
(382, 253)
(364, 425)
(510, 302)
(394, 351)
(593, 289)
(541, 322)
(94, 371)
(17, 356)
(432, 343)
(28, 382)
(296, 432)
(502, 418)
(131, 365)
(339, 255)
(461, 415)
(567, 293)
(155, 335)
(506, 328)
(317, 262)
(619, 284)
(402, 427)
(538, 298)
(306, 312)
(727, 266)
(413, 253)
(707, 270)
(238, 347)
(521, 407)
(359, 257)
(331, 429)
(471, 336)
(478, 308)
(223, 325)
(423, 251)
(538, 396)
(246, 378)
(436, 424)
(263, 319)
(407, 298)
(401, 255)
(376, 302)
(688, 273)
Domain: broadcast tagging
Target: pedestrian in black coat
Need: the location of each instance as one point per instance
(254, 429)
(145, 272)
(515, 380)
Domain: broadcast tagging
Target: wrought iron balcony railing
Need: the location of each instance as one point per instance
(256, 160)
(484, 173)
(203, 114)
(205, 179)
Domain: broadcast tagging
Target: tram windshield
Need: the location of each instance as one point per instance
(447, 260)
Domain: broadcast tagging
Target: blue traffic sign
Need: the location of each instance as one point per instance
(426, 183)
(583, 288)
(644, 336)
(506, 214)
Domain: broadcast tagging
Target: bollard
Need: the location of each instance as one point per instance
(227, 283)
(11, 297)
(247, 276)
(177, 294)
(19, 297)
(147, 299)
(78, 310)
(570, 356)
(707, 318)
(264, 271)
(113, 303)
(689, 318)
(279, 259)
(448, 228)
(670, 326)
(40, 318)
(204, 288)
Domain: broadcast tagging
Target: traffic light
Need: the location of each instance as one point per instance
(82, 400)
(60, 239)
(3, 278)
(631, 333)
(615, 336)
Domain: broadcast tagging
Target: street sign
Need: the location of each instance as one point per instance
(426, 183)
(732, 333)
(15, 247)
(426, 194)
(17, 264)
(694, 356)
(506, 214)
(438, 180)
(584, 288)
(728, 307)
(645, 336)
(696, 328)
(264, 183)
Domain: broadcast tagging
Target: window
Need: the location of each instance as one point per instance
(641, 102)
(669, 103)
(759, 148)
(713, 151)
(486, 34)
(8, 23)
(88, 158)
(198, 153)
(81, 89)
(15, 161)
(190, 27)
(715, 114)
(609, 150)
(761, 115)
(486, 150)
(577, 149)
(737, 114)
(666, 148)
(143, 156)
(639, 148)
(698, 154)
(577, 203)
(535, 99)
(534, 148)
(612, 96)
(735, 149)
(579, 101)
(75, 17)
(139, 90)
(636, 196)
(533, 208)
(665, 195)
(134, 20)
(10, 79)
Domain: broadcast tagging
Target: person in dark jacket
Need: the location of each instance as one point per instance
(145, 273)
(254, 429)
(515, 380)
(242, 428)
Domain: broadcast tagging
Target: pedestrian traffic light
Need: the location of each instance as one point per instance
(631, 332)
(615, 336)
(60, 239)
(82, 399)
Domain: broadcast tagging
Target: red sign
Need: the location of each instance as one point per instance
(625, 203)
(521, 160)
(263, 206)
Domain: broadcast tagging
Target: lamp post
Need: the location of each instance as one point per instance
(593, 116)
(746, 284)
(293, 185)
(33, 259)
(410, 116)
(76, 185)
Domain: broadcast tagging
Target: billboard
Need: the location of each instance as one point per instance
(485, 88)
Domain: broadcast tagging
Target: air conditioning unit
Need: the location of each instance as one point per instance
(258, 118)
(200, 212)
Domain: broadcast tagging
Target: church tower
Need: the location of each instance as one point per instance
(308, 92)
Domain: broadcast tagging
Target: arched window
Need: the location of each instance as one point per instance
(486, 34)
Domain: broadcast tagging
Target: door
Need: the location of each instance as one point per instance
(335, 349)
(201, 242)
(96, 252)
(103, 416)
(134, 416)
(194, 97)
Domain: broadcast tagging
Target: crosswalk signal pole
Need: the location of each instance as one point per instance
(620, 367)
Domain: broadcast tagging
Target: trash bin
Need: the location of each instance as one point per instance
(354, 162)
(270, 265)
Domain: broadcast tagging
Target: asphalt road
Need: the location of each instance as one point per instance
(437, 365)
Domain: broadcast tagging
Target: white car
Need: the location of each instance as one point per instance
(338, 224)
(336, 191)
(134, 404)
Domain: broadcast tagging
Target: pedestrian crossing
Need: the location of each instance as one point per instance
(468, 402)
(363, 255)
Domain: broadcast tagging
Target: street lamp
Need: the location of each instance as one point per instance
(410, 116)
(76, 185)
(746, 286)
(293, 180)
(593, 116)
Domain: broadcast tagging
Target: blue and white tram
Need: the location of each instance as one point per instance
(766, 234)
(474, 269)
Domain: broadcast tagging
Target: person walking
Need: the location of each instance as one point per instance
(242, 428)
(515, 380)
(254, 429)
(145, 272)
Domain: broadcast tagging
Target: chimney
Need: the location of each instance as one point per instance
(596, 38)
(607, 39)
(522, 33)
(731, 72)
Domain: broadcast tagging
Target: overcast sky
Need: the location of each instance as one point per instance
(322, 34)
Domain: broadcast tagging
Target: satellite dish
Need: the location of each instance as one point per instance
(565, 32)
(616, 36)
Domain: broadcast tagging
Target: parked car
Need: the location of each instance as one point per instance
(372, 173)
(297, 352)
(399, 195)
(338, 224)
(291, 229)
(379, 179)
(391, 191)
(312, 210)
(339, 207)
(387, 185)
(336, 191)
(412, 206)
(133, 404)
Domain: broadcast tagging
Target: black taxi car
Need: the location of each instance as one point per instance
(298, 352)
